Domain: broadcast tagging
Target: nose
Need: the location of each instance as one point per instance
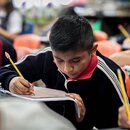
(68, 68)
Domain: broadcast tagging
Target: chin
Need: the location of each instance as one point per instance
(73, 76)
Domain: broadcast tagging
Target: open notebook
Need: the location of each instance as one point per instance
(45, 95)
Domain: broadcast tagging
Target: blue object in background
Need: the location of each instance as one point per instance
(28, 27)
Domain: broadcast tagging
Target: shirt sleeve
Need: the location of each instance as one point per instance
(15, 22)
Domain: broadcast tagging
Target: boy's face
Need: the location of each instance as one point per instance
(71, 63)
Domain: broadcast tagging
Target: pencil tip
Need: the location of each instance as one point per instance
(7, 55)
(119, 26)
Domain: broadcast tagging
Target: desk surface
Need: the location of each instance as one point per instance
(53, 106)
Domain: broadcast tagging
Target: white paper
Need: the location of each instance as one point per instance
(46, 95)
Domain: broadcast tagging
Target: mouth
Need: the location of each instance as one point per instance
(73, 75)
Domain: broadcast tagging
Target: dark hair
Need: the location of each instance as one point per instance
(9, 6)
(71, 33)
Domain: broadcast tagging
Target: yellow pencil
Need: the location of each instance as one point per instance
(124, 93)
(124, 32)
(11, 61)
(16, 68)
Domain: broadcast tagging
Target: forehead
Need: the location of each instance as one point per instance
(69, 54)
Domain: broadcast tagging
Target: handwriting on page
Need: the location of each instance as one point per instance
(46, 92)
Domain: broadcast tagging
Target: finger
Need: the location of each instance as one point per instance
(29, 86)
(82, 111)
(123, 125)
(123, 118)
(25, 83)
(81, 106)
(122, 113)
(16, 90)
(75, 96)
(21, 87)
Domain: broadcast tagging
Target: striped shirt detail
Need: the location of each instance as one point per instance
(111, 75)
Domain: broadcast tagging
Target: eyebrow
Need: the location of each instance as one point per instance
(57, 57)
(70, 59)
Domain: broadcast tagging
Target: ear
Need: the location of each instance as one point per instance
(94, 48)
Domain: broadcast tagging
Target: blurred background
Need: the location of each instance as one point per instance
(38, 16)
(42, 12)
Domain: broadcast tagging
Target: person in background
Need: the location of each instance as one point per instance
(11, 20)
(73, 65)
(5, 46)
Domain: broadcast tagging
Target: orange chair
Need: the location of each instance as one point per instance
(26, 44)
(28, 40)
(107, 47)
(23, 51)
(100, 35)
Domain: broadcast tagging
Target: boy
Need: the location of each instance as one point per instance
(72, 65)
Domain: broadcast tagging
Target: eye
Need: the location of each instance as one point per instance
(76, 60)
(59, 61)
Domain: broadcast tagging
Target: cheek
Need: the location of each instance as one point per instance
(82, 66)
(79, 68)
(55, 62)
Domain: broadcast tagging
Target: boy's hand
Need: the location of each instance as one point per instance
(20, 86)
(123, 120)
(80, 103)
